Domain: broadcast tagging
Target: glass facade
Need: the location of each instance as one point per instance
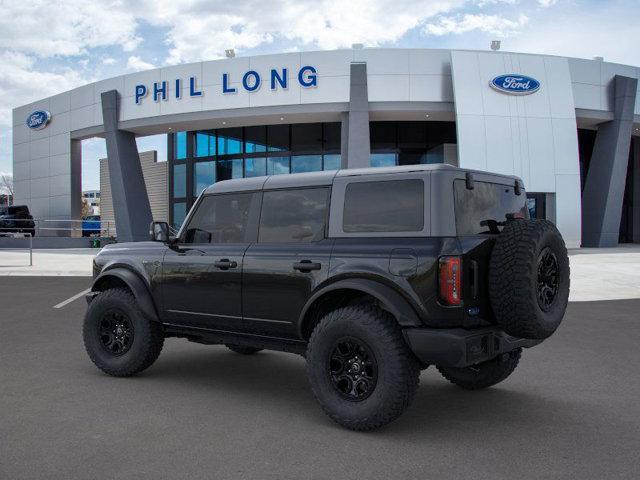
(201, 158)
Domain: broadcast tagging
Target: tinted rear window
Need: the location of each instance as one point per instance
(482, 209)
(385, 206)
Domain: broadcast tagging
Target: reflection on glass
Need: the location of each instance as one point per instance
(306, 137)
(255, 139)
(228, 169)
(277, 165)
(179, 212)
(205, 144)
(306, 163)
(331, 162)
(180, 180)
(229, 141)
(255, 167)
(383, 159)
(180, 146)
(278, 137)
(204, 174)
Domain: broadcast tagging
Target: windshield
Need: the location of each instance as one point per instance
(485, 208)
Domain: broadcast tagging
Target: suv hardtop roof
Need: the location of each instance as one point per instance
(324, 178)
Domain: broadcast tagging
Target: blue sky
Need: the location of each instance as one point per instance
(50, 47)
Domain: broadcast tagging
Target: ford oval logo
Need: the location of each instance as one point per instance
(38, 119)
(515, 84)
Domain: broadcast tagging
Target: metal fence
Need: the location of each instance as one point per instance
(59, 228)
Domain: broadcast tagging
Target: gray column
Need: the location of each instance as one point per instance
(604, 186)
(636, 190)
(129, 193)
(357, 142)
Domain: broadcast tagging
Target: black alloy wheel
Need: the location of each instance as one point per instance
(353, 369)
(548, 281)
(116, 333)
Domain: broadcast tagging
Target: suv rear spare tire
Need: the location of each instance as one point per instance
(529, 278)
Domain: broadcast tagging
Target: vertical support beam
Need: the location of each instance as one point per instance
(76, 186)
(358, 144)
(130, 201)
(344, 140)
(604, 187)
(636, 190)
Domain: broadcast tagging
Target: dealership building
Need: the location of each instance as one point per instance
(568, 127)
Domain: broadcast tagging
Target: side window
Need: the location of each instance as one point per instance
(384, 206)
(294, 215)
(220, 219)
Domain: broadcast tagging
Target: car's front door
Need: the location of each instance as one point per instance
(289, 260)
(202, 271)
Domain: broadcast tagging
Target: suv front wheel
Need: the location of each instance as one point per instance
(360, 369)
(119, 339)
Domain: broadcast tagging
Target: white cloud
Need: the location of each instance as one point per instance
(214, 26)
(135, 63)
(108, 61)
(491, 24)
(21, 83)
(46, 28)
(547, 3)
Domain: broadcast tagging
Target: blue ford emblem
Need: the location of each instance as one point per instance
(515, 84)
(38, 119)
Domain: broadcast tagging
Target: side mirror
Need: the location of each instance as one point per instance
(159, 232)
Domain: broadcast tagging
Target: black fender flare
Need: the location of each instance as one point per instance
(391, 300)
(137, 286)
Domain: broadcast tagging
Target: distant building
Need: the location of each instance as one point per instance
(155, 179)
(93, 198)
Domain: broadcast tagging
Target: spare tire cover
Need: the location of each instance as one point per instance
(529, 278)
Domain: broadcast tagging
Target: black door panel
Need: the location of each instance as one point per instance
(278, 280)
(202, 285)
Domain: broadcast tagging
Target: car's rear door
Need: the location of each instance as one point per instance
(289, 260)
(202, 272)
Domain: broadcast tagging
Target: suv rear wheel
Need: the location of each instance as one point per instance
(360, 369)
(119, 339)
(484, 374)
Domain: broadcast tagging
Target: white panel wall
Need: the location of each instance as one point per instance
(532, 136)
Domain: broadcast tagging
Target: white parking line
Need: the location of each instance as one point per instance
(69, 300)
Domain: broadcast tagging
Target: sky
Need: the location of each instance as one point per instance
(48, 47)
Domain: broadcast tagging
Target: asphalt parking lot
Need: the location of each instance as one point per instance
(571, 410)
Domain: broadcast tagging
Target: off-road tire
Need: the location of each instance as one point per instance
(514, 277)
(241, 349)
(148, 337)
(398, 371)
(483, 375)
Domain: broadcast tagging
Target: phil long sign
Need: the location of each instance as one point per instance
(515, 84)
(250, 81)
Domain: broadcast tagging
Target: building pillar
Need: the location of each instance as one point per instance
(355, 123)
(129, 194)
(635, 209)
(604, 187)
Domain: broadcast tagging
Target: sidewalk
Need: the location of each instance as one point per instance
(68, 262)
(596, 274)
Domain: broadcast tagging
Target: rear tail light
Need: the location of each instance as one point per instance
(450, 280)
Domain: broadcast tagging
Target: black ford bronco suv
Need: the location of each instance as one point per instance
(371, 274)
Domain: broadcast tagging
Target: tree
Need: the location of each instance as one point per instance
(6, 184)
(86, 208)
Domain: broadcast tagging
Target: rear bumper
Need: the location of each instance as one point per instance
(457, 347)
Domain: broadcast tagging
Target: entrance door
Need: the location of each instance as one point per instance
(289, 261)
(202, 272)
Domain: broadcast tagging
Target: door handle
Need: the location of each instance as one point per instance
(225, 264)
(306, 266)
